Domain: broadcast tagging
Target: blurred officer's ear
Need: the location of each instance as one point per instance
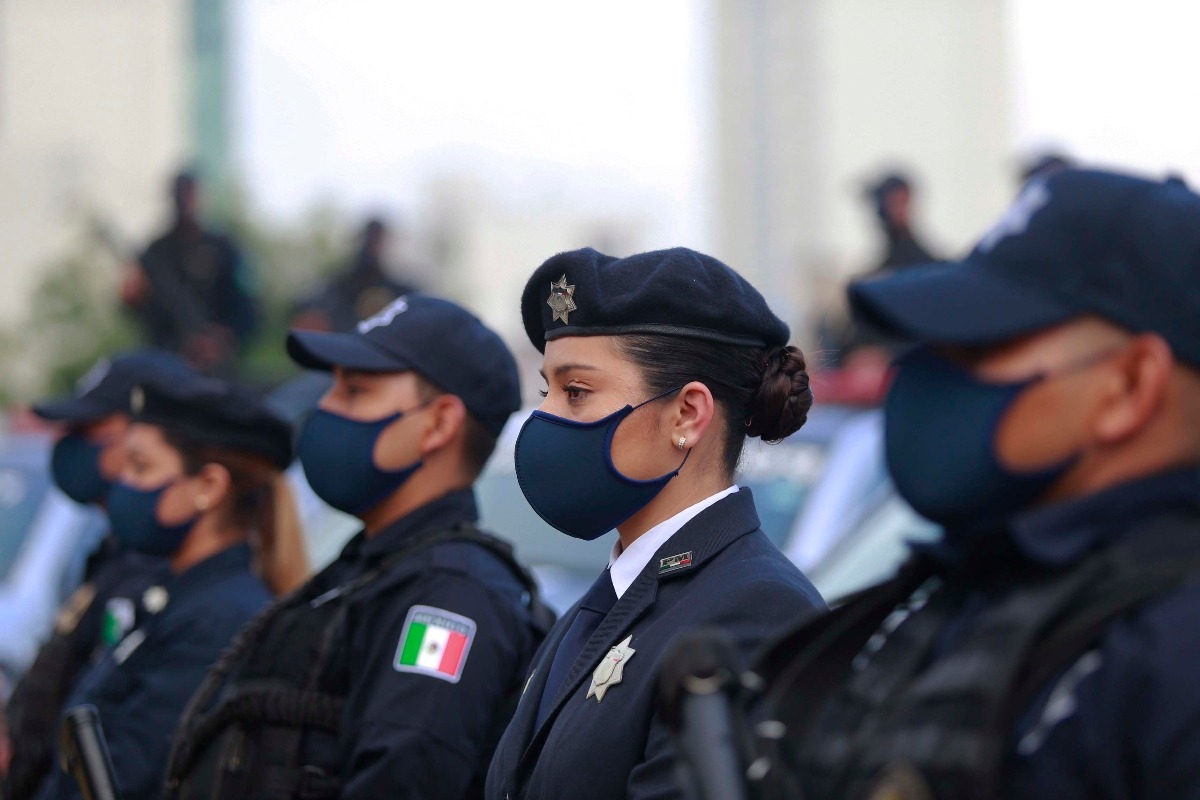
(1136, 390)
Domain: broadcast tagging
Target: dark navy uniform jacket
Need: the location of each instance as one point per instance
(1124, 720)
(618, 747)
(143, 683)
(97, 614)
(412, 734)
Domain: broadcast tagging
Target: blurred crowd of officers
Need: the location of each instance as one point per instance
(192, 293)
(1044, 411)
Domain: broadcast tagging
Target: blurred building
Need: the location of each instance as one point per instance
(99, 103)
(814, 98)
(485, 245)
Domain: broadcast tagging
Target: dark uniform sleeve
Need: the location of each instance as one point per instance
(415, 735)
(140, 701)
(1124, 720)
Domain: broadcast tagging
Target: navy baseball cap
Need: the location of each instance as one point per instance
(439, 340)
(1079, 242)
(676, 292)
(105, 388)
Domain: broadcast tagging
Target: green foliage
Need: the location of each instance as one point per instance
(73, 323)
(75, 317)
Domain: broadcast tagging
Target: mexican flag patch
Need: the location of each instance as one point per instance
(434, 642)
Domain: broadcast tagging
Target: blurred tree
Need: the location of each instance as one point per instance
(75, 317)
(74, 321)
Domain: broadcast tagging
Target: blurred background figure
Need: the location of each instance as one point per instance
(190, 290)
(361, 289)
(891, 197)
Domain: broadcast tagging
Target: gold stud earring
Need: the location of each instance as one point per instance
(682, 441)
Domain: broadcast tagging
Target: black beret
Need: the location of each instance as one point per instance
(676, 292)
(213, 412)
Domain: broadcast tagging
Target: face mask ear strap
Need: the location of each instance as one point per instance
(658, 397)
(685, 458)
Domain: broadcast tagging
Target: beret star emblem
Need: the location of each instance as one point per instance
(561, 300)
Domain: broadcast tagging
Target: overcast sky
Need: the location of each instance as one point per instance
(358, 101)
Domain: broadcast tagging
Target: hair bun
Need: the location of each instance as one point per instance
(779, 407)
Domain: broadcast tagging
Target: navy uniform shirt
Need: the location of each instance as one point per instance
(143, 683)
(96, 616)
(412, 730)
(1124, 720)
(618, 747)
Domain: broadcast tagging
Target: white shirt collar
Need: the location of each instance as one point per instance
(625, 566)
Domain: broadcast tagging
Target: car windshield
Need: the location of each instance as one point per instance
(21, 491)
(781, 477)
(872, 552)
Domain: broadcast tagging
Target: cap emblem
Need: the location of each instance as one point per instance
(1016, 219)
(384, 317)
(137, 400)
(561, 300)
(93, 376)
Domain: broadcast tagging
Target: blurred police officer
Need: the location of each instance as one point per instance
(1049, 419)
(202, 487)
(360, 289)
(393, 672)
(84, 464)
(658, 367)
(191, 289)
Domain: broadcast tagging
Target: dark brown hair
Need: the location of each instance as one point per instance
(259, 502)
(759, 392)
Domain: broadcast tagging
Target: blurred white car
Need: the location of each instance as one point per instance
(45, 539)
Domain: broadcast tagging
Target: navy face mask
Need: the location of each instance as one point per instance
(75, 466)
(566, 472)
(940, 425)
(133, 514)
(338, 456)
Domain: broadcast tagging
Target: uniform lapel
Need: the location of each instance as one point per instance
(704, 536)
(523, 720)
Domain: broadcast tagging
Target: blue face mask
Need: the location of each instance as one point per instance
(566, 472)
(940, 425)
(133, 514)
(75, 466)
(338, 456)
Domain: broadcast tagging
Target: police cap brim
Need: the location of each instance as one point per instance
(324, 351)
(957, 303)
(75, 410)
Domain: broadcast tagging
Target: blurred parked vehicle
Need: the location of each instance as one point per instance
(45, 539)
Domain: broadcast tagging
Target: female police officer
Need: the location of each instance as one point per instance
(200, 482)
(657, 367)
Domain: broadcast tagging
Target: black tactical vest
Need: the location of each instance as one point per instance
(273, 704)
(859, 708)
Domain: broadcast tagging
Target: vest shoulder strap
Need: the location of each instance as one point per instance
(1142, 567)
(541, 617)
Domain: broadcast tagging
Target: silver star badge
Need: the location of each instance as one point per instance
(611, 669)
(561, 300)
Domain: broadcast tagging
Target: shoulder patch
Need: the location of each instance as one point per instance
(434, 642)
